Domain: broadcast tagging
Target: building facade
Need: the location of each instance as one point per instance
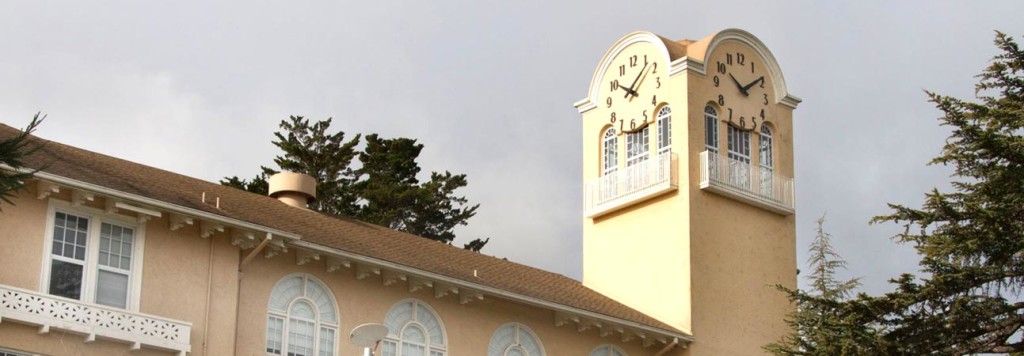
(103, 256)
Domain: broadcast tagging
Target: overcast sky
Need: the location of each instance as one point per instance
(488, 88)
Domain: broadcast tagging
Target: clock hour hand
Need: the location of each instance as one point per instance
(628, 91)
(751, 85)
(739, 86)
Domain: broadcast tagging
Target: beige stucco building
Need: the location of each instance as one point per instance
(684, 235)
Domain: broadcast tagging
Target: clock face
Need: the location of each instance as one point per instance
(632, 87)
(742, 86)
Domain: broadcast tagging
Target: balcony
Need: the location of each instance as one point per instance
(138, 330)
(735, 179)
(630, 185)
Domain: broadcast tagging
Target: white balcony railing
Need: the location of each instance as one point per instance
(630, 185)
(93, 321)
(735, 179)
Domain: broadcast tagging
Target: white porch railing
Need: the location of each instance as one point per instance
(630, 185)
(93, 321)
(735, 179)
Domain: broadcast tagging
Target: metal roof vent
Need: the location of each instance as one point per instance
(295, 189)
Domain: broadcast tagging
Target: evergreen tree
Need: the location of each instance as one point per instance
(383, 190)
(12, 151)
(971, 240)
(819, 325)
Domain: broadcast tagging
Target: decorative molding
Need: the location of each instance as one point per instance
(389, 277)
(466, 296)
(598, 77)
(79, 197)
(363, 270)
(748, 39)
(305, 256)
(45, 188)
(243, 239)
(443, 289)
(177, 221)
(207, 228)
(416, 284)
(334, 263)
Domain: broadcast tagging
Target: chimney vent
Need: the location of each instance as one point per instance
(294, 189)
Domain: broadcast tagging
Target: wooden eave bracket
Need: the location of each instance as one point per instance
(363, 271)
(390, 277)
(79, 197)
(178, 221)
(305, 256)
(243, 239)
(275, 248)
(466, 296)
(207, 229)
(416, 284)
(443, 289)
(334, 263)
(562, 318)
(266, 240)
(44, 189)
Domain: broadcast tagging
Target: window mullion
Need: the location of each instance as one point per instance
(92, 251)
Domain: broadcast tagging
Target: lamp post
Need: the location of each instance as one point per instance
(368, 336)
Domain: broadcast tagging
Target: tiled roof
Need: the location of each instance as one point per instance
(344, 234)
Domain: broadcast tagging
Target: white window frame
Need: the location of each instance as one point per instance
(9, 352)
(607, 350)
(711, 128)
(91, 267)
(638, 146)
(610, 152)
(520, 329)
(664, 130)
(430, 348)
(287, 316)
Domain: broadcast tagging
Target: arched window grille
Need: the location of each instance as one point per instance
(514, 339)
(664, 130)
(610, 159)
(767, 162)
(414, 330)
(302, 318)
(711, 129)
(607, 350)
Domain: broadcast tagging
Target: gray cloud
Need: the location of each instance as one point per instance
(488, 88)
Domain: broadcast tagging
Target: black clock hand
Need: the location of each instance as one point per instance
(628, 90)
(631, 86)
(751, 85)
(739, 86)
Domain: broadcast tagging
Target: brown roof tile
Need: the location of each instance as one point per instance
(344, 234)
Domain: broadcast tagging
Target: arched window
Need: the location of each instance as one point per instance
(610, 159)
(767, 158)
(514, 339)
(414, 330)
(607, 350)
(711, 129)
(302, 318)
(664, 130)
(638, 146)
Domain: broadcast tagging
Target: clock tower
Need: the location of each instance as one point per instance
(688, 186)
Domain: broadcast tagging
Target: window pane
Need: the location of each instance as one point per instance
(66, 279)
(413, 350)
(284, 292)
(390, 348)
(323, 301)
(326, 342)
(275, 326)
(115, 241)
(303, 310)
(515, 351)
(300, 337)
(69, 234)
(112, 289)
(414, 334)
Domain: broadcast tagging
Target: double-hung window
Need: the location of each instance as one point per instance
(92, 256)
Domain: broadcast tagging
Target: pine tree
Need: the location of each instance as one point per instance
(820, 325)
(971, 240)
(12, 151)
(383, 189)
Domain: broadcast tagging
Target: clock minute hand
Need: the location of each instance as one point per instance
(761, 79)
(632, 86)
